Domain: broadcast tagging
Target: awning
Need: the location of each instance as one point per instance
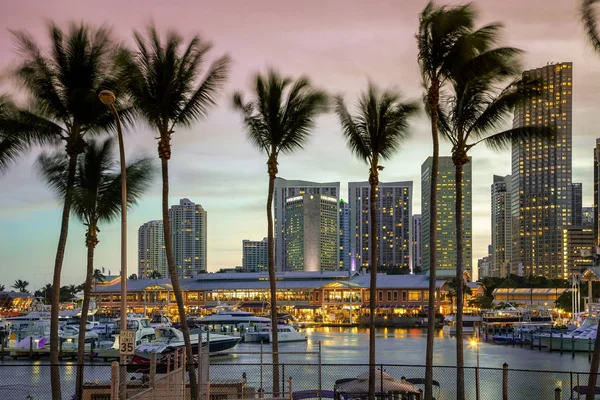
(308, 307)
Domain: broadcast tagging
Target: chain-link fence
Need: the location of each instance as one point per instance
(247, 380)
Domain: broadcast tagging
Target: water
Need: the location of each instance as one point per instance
(343, 352)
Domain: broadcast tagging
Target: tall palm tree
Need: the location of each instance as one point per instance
(472, 113)
(168, 89)
(278, 119)
(96, 199)
(155, 275)
(441, 42)
(375, 133)
(589, 15)
(2, 287)
(97, 276)
(62, 86)
(20, 285)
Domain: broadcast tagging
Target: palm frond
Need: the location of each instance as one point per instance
(590, 24)
(256, 128)
(356, 139)
(53, 170)
(502, 140)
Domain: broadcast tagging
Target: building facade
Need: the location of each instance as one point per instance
(587, 217)
(446, 217)
(576, 205)
(541, 174)
(344, 235)
(254, 255)
(416, 243)
(596, 194)
(151, 250)
(501, 247)
(578, 249)
(284, 189)
(312, 233)
(394, 220)
(189, 237)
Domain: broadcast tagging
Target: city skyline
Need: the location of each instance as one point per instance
(214, 163)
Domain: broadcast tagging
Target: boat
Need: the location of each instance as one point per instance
(285, 333)
(159, 321)
(386, 386)
(229, 317)
(580, 339)
(522, 332)
(143, 331)
(470, 322)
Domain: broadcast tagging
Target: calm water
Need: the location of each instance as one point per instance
(343, 350)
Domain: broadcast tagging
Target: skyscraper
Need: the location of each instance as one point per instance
(501, 247)
(576, 204)
(541, 174)
(446, 217)
(344, 209)
(151, 250)
(587, 219)
(254, 255)
(394, 218)
(188, 233)
(285, 189)
(416, 242)
(578, 247)
(312, 233)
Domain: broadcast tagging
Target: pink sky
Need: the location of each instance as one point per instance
(339, 44)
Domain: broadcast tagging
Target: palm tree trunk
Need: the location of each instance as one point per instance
(373, 180)
(58, 262)
(175, 281)
(460, 361)
(433, 100)
(272, 280)
(593, 378)
(87, 289)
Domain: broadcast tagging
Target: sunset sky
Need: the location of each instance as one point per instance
(339, 45)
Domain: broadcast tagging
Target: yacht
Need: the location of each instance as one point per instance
(159, 321)
(228, 317)
(285, 333)
(522, 332)
(143, 331)
(169, 339)
(580, 339)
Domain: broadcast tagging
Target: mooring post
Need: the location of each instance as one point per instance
(114, 380)
(557, 394)
(505, 381)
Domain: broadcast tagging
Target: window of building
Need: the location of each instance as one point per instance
(389, 296)
(395, 296)
(414, 295)
(404, 295)
(380, 296)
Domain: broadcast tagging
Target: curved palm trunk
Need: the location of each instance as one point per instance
(175, 279)
(460, 360)
(87, 290)
(373, 284)
(433, 100)
(272, 284)
(55, 298)
(593, 378)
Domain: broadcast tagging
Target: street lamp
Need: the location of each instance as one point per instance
(475, 343)
(108, 98)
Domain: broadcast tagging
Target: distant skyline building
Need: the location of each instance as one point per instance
(596, 193)
(578, 248)
(189, 236)
(255, 255)
(416, 242)
(587, 217)
(576, 205)
(484, 265)
(394, 219)
(151, 250)
(501, 247)
(541, 174)
(284, 189)
(446, 217)
(344, 221)
(312, 233)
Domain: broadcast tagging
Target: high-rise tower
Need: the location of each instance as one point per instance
(501, 247)
(188, 233)
(151, 250)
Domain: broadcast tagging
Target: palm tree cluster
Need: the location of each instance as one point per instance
(472, 85)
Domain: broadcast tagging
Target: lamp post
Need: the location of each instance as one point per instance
(108, 98)
(475, 343)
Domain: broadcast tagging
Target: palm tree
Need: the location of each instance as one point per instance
(155, 275)
(2, 287)
(374, 134)
(133, 277)
(279, 119)
(164, 82)
(96, 199)
(590, 24)
(469, 115)
(20, 285)
(62, 86)
(441, 41)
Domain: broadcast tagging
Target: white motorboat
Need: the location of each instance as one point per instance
(229, 317)
(169, 339)
(159, 321)
(580, 339)
(285, 333)
(143, 331)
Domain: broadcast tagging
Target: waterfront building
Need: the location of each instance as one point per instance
(578, 248)
(285, 189)
(576, 204)
(501, 247)
(188, 233)
(528, 297)
(344, 236)
(394, 219)
(541, 174)
(254, 255)
(587, 218)
(152, 256)
(312, 233)
(446, 217)
(416, 243)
